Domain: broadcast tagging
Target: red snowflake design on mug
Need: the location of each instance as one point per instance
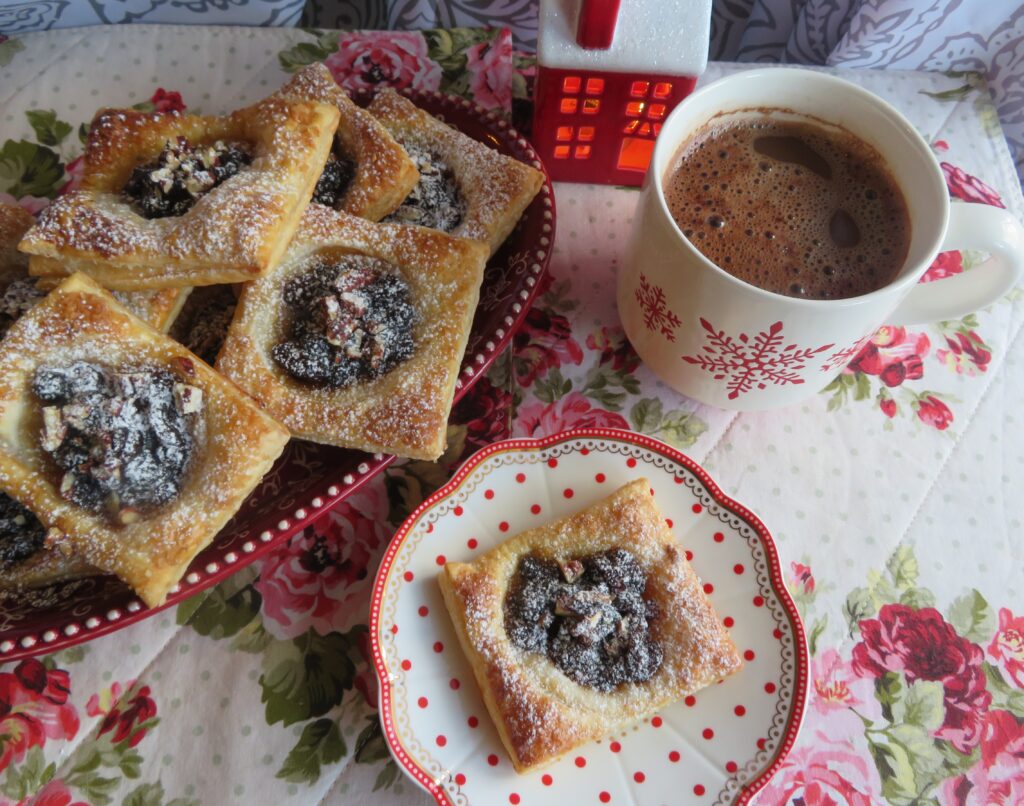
(657, 316)
(747, 363)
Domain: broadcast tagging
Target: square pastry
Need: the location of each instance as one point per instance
(356, 338)
(584, 625)
(367, 174)
(171, 200)
(121, 439)
(466, 188)
(19, 291)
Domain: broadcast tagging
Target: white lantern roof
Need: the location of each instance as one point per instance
(664, 37)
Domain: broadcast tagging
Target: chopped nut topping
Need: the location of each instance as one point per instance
(171, 184)
(122, 440)
(435, 202)
(351, 320)
(571, 570)
(188, 399)
(591, 621)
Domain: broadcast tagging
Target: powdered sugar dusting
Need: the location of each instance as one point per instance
(384, 174)
(404, 411)
(496, 188)
(80, 322)
(233, 231)
(541, 712)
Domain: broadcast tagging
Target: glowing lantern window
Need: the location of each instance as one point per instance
(595, 86)
(638, 89)
(656, 111)
(586, 134)
(571, 84)
(635, 108)
(591, 106)
(564, 133)
(568, 106)
(561, 152)
(662, 90)
(635, 154)
(582, 152)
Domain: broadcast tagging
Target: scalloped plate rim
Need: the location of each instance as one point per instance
(536, 444)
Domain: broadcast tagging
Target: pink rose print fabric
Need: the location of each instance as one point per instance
(823, 772)
(368, 59)
(314, 580)
(490, 72)
(34, 708)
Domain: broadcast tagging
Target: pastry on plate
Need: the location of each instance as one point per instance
(121, 439)
(466, 188)
(367, 173)
(582, 626)
(356, 338)
(171, 200)
(19, 291)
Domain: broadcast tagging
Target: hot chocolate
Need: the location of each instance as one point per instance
(790, 206)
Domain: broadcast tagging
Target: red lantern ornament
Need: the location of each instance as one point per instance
(608, 74)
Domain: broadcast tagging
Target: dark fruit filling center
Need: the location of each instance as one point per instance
(174, 181)
(588, 615)
(351, 320)
(123, 438)
(435, 202)
(18, 298)
(21, 533)
(334, 181)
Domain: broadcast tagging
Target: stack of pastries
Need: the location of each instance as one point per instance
(299, 268)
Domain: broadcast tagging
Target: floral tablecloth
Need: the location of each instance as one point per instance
(893, 495)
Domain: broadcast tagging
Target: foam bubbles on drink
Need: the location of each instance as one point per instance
(791, 206)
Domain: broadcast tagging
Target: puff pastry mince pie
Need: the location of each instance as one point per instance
(367, 173)
(19, 291)
(29, 554)
(357, 337)
(170, 200)
(579, 627)
(121, 439)
(465, 188)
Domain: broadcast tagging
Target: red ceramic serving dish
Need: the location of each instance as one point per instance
(308, 479)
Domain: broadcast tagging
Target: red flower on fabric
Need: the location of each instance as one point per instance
(934, 412)
(946, 264)
(366, 60)
(75, 170)
(802, 580)
(544, 341)
(615, 349)
(888, 406)
(34, 707)
(824, 773)
(572, 411)
(969, 188)
(314, 580)
(124, 710)
(1007, 647)
(923, 646)
(167, 101)
(999, 779)
(486, 411)
(490, 69)
(967, 353)
(893, 354)
(55, 793)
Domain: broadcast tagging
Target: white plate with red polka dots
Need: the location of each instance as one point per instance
(717, 747)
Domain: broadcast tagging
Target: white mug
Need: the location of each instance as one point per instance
(730, 344)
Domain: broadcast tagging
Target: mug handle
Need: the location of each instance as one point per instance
(971, 226)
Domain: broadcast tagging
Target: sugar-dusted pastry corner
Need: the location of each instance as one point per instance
(121, 439)
(579, 627)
